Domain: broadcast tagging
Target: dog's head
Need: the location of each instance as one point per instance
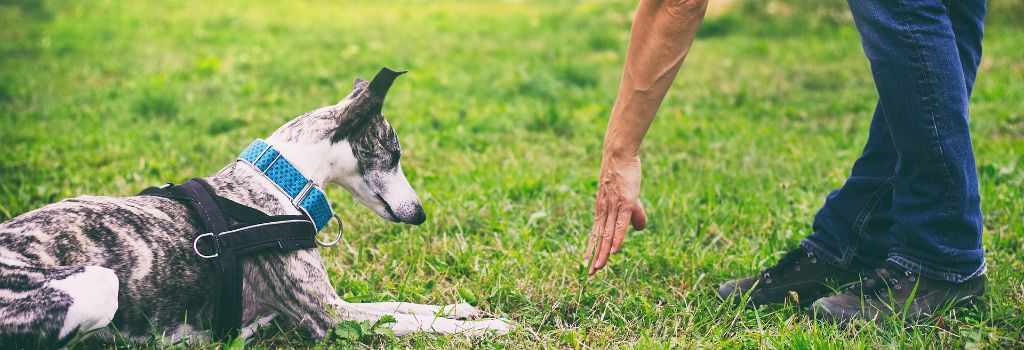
(351, 144)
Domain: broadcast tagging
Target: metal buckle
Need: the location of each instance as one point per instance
(260, 156)
(195, 247)
(341, 230)
(297, 201)
(271, 164)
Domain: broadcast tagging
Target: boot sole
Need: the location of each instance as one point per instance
(970, 301)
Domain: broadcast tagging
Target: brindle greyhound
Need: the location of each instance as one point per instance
(125, 267)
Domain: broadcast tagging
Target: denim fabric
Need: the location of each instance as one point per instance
(912, 196)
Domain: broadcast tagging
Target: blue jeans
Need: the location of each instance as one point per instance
(912, 196)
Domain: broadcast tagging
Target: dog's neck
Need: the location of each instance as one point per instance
(311, 159)
(243, 184)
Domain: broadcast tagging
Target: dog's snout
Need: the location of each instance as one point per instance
(396, 201)
(419, 216)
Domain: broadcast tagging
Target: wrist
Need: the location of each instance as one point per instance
(622, 141)
(619, 151)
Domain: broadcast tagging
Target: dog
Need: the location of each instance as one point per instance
(125, 267)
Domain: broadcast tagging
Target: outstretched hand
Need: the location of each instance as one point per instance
(660, 38)
(617, 205)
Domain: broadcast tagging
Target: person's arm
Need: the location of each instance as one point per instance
(661, 36)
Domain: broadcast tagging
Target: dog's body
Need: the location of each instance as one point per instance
(84, 264)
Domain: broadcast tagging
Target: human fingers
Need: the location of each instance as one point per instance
(595, 231)
(607, 236)
(594, 239)
(621, 227)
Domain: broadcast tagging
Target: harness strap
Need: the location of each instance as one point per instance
(255, 232)
(236, 211)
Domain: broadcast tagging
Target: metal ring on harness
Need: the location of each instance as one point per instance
(195, 247)
(341, 230)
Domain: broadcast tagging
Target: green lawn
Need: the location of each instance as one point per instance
(501, 120)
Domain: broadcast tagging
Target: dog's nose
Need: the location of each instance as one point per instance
(419, 216)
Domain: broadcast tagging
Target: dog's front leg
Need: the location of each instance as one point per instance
(406, 323)
(295, 287)
(457, 311)
(413, 318)
(312, 304)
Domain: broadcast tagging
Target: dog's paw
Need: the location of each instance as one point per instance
(461, 311)
(492, 326)
(93, 299)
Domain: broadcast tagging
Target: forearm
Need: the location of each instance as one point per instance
(662, 33)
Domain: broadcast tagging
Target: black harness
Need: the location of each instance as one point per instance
(232, 231)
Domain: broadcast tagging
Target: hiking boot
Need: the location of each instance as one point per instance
(798, 277)
(894, 290)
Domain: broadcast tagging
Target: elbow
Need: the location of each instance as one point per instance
(686, 9)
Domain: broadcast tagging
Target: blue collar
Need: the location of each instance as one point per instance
(305, 194)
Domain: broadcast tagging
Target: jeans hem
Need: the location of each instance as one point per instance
(943, 275)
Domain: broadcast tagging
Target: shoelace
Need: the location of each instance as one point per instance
(790, 259)
(880, 283)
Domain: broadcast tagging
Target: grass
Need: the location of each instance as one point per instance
(501, 118)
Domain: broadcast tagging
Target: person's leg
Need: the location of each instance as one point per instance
(853, 225)
(851, 230)
(924, 56)
(851, 233)
(922, 89)
(967, 19)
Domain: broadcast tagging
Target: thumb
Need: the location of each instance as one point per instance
(639, 217)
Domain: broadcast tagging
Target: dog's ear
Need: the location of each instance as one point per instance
(373, 96)
(358, 86)
(382, 81)
(367, 103)
(359, 83)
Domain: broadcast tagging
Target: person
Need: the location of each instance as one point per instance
(904, 230)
